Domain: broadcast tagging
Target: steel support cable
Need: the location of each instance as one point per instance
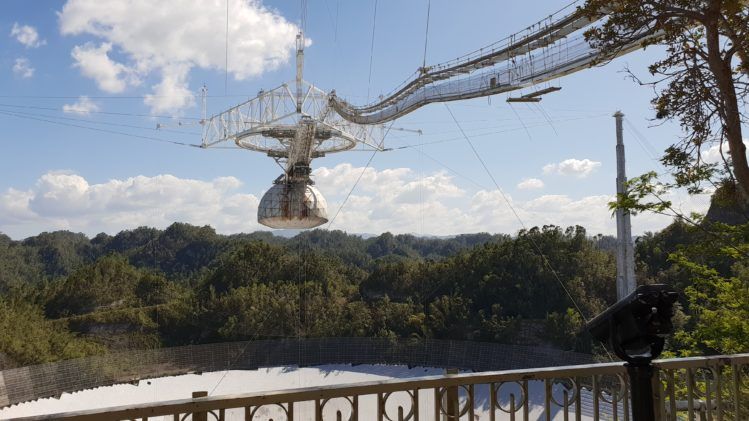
(419, 149)
(548, 118)
(358, 179)
(509, 123)
(515, 129)
(527, 132)
(369, 85)
(476, 86)
(369, 162)
(333, 21)
(466, 88)
(426, 34)
(470, 180)
(681, 215)
(244, 348)
(337, 8)
(268, 316)
(104, 123)
(118, 96)
(303, 16)
(96, 129)
(447, 70)
(334, 24)
(371, 49)
(457, 65)
(33, 107)
(260, 331)
(301, 275)
(648, 148)
(491, 47)
(447, 91)
(301, 284)
(517, 216)
(226, 52)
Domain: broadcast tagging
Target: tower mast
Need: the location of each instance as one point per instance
(625, 253)
(299, 69)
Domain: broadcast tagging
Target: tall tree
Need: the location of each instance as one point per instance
(702, 81)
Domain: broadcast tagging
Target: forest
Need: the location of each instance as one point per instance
(64, 295)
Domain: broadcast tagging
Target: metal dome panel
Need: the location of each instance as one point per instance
(292, 206)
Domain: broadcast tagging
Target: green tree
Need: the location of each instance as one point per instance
(107, 283)
(247, 264)
(450, 317)
(61, 252)
(702, 81)
(20, 267)
(718, 303)
(563, 329)
(26, 337)
(152, 289)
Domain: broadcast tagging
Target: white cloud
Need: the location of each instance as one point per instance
(396, 200)
(94, 62)
(580, 168)
(170, 38)
(530, 184)
(26, 35)
(712, 154)
(171, 94)
(84, 106)
(64, 200)
(22, 68)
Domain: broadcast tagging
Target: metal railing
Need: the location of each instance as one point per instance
(24, 384)
(702, 388)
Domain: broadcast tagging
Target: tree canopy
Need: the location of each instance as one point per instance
(254, 286)
(702, 80)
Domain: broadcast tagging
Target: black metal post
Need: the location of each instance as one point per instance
(636, 328)
(641, 391)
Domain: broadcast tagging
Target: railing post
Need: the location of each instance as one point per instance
(199, 416)
(659, 400)
(451, 395)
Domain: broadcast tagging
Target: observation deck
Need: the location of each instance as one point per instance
(700, 388)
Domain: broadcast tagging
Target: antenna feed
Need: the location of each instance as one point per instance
(299, 41)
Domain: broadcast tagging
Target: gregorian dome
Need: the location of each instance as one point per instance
(293, 124)
(296, 205)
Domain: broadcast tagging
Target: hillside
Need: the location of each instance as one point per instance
(64, 295)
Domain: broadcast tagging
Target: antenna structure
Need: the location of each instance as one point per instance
(293, 128)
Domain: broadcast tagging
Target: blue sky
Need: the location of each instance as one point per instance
(62, 177)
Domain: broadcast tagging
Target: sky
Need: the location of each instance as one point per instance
(84, 83)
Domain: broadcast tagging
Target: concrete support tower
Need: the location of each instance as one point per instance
(625, 251)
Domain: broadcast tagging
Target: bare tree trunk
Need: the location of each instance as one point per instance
(731, 115)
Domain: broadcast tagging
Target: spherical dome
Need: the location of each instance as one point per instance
(292, 206)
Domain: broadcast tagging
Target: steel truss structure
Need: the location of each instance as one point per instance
(296, 126)
(547, 50)
(289, 128)
(293, 128)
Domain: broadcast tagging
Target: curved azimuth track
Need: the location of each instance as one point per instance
(546, 50)
(270, 122)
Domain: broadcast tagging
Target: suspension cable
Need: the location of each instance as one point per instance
(426, 35)
(369, 162)
(371, 157)
(514, 212)
(96, 129)
(226, 52)
(371, 49)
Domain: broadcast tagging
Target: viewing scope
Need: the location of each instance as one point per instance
(636, 326)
